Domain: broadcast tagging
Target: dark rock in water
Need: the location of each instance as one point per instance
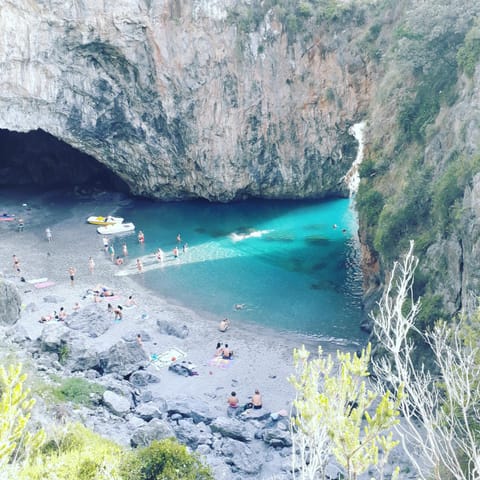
(90, 320)
(156, 429)
(172, 328)
(123, 358)
(10, 303)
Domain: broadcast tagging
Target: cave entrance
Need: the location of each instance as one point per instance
(37, 158)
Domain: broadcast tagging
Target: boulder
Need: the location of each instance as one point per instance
(10, 303)
(142, 378)
(191, 407)
(172, 328)
(54, 336)
(241, 457)
(233, 428)
(192, 434)
(91, 320)
(277, 436)
(81, 357)
(117, 404)
(154, 430)
(123, 358)
(148, 411)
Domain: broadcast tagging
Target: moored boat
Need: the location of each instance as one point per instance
(116, 228)
(109, 220)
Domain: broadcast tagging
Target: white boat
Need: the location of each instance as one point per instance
(116, 228)
(109, 220)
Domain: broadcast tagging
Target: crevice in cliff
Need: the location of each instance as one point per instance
(37, 158)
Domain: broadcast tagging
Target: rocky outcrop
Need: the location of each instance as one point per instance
(180, 102)
(10, 303)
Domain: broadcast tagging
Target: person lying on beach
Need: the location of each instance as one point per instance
(76, 307)
(224, 324)
(47, 318)
(227, 354)
(62, 314)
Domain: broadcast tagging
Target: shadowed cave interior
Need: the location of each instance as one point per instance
(37, 158)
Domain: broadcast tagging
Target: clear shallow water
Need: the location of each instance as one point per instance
(283, 261)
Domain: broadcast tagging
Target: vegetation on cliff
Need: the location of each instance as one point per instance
(415, 172)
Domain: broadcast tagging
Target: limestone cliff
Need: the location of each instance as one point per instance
(178, 102)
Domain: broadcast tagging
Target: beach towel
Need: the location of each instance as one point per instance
(165, 359)
(220, 362)
(44, 284)
(37, 280)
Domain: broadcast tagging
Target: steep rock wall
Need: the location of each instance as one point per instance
(173, 99)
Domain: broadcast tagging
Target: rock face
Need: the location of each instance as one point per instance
(10, 303)
(177, 101)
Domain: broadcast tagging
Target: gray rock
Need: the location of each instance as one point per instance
(155, 430)
(53, 299)
(92, 320)
(172, 328)
(10, 303)
(193, 434)
(241, 457)
(123, 358)
(191, 407)
(233, 428)
(17, 334)
(142, 378)
(118, 404)
(148, 411)
(81, 357)
(54, 335)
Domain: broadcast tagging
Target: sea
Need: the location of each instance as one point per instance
(288, 265)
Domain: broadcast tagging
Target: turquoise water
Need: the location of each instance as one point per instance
(290, 265)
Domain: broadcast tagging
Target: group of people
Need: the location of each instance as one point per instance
(60, 316)
(223, 351)
(234, 403)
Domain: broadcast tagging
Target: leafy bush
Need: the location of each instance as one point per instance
(77, 390)
(468, 54)
(75, 454)
(164, 460)
(369, 205)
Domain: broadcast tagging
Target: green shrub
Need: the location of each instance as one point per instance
(75, 454)
(468, 54)
(164, 460)
(369, 205)
(77, 390)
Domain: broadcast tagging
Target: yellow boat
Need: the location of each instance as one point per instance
(104, 220)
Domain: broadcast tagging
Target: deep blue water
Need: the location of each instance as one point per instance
(284, 261)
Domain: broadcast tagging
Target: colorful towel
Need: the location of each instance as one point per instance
(164, 359)
(37, 280)
(44, 284)
(220, 362)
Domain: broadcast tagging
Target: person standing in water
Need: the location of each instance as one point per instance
(124, 250)
(139, 265)
(175, 252)
(179, 239)
(48, 234)
(111, 251)
(141, 237)
(105, 243)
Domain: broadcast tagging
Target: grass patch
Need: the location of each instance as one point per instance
(77, 390)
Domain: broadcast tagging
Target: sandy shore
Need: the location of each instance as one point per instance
(263, 357)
